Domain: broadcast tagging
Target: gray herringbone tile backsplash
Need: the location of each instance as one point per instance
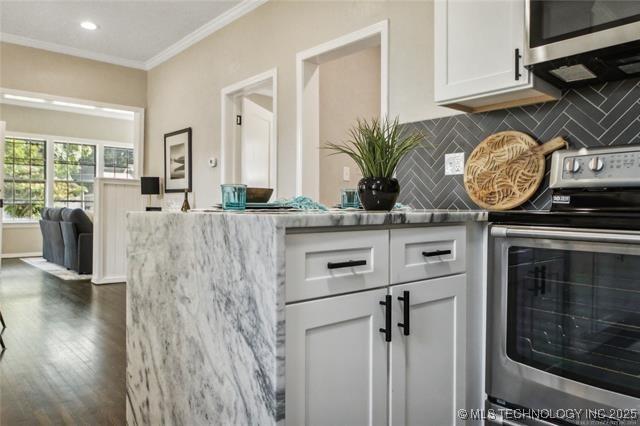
(607, 114)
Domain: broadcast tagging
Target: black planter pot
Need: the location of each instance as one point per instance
(378, 193)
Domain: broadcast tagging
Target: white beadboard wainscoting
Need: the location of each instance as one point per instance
(113, 199)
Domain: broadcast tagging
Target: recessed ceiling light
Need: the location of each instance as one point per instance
(72, 105)
(88, 25)
(23, 98)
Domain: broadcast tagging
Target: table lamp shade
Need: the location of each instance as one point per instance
(150, 185)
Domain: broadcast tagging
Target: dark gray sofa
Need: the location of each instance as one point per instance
(77, 232)
(52, 241)
(67, 238)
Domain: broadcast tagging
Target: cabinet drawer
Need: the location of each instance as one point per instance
(327, 263)
(421, 253)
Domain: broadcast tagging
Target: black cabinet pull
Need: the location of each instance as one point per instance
(347, 264)
(405, 312)
(518, 56)
(387, 318)
(435, 253)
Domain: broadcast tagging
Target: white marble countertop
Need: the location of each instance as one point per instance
(304, 219)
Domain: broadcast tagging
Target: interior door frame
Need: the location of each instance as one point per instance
(308, 91)
(227, 136)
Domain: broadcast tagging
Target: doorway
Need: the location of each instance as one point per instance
(332, 90)
(249, 132)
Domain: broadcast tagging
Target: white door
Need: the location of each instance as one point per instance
(475, 47)
(336, 361)
(2, 131)
(255, 150)
(428, 364)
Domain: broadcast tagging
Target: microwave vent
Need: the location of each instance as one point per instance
(573, 73)
(630, 68)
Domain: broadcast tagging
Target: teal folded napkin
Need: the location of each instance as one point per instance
(302, 203)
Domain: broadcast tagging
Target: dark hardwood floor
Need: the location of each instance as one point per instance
(65, 359)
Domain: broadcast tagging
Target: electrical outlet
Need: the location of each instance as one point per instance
(454, 164)
(346, 174)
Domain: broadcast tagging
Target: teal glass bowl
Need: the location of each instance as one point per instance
(234, 196)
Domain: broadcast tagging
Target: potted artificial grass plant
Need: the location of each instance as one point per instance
(377, 146)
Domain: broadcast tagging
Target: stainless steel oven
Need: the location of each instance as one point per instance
(564, 319)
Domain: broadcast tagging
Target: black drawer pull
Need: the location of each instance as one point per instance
(387, 318)
(435, 253)
(347, 264)
(405, 313)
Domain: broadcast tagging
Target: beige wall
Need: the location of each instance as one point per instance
(36, 70)
(185, 91)
(22, 239)
(349, 90)
(60, 123)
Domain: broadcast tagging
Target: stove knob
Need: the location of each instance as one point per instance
(571, 165)
(596, 164)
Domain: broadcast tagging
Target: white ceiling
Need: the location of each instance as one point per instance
(132, 33)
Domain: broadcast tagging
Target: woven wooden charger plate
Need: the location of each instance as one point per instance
(506, 169)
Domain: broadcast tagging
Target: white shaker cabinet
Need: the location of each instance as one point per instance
(428, 359)
(336, 361)
(478, 50)
(348, 360)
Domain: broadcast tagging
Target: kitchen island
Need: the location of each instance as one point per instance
(207, 294)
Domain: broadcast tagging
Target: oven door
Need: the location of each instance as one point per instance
(564, 318)
(562, 28)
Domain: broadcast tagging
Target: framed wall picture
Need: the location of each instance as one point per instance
(177, 161)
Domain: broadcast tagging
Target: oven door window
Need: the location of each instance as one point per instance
(552, 21)
(576, 314)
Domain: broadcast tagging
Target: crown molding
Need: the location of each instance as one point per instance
(236, 12)
(66, 50)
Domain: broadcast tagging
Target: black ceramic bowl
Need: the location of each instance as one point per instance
(259, 195)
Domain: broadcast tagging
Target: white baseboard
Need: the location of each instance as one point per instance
(16, 255)
(109, 280)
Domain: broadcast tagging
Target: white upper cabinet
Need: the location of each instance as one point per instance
(478, 51)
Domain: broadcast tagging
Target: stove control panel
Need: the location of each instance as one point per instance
(596, 167)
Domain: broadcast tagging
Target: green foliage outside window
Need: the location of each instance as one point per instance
(118, 162)
(25, 178)
(74, 173)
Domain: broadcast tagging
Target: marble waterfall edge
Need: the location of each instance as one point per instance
(205, 311)
(201, 323)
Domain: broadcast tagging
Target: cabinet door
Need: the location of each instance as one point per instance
(474, 47)
(336, 361)
(428, 365)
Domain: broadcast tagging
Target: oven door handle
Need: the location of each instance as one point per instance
(570, 234)
(499, 420)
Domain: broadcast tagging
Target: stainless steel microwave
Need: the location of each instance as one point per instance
(577, 42)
